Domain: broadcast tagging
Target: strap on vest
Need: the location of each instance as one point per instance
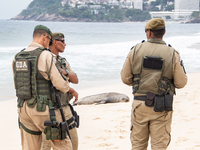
(52, 112)
(50, 67)
(142, 98)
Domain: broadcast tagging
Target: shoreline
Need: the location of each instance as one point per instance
(108, 125)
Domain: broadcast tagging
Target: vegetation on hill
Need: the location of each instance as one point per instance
(195, 14)
(158, 5)
(39, 9)
(106, 13)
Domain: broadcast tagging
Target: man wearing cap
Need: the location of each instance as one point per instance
(58, 46)
(154, 70)
(37, 79)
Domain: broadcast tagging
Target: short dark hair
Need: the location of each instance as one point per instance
(158, 33)
(38, 32)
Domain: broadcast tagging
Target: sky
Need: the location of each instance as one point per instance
(11, 8)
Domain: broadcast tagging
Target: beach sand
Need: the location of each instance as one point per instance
(107, 126)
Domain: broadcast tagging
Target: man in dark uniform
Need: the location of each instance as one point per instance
(36, 77)
(58, 46)
(154, 70)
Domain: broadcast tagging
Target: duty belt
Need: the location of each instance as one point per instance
(141, 98)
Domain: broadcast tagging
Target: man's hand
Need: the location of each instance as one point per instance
(63, 71)
(72, 76)
(74, 94)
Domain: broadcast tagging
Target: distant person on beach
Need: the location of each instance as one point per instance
(37, 82)
(154, 70)
(58, 46)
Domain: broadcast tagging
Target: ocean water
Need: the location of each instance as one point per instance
(95, 51)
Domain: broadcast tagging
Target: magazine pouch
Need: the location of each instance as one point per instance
(149, 99)
(159, 104)
(168, 102)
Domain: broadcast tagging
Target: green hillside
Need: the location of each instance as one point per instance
(38, 7)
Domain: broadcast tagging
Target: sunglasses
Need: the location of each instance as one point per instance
(63, 41)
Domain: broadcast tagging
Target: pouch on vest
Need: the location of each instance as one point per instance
(20, 102)
(41, 103)
(31, 102)
(65, 98)
(168, 102)
(149, 99)
(23, 78)
(159, 104)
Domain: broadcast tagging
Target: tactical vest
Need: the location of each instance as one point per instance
(60, 63)
(152, 69)
(29, 83)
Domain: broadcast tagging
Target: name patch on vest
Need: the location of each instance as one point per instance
(22, 65)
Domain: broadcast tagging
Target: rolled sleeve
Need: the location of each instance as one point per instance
(69, 67)
(126, 72)
(180, 78)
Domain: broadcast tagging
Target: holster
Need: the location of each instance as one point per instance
(63, 128)
(76, 116)
(76, 119)
(52, 133)
(55, 132)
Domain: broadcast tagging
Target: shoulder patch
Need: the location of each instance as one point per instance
(169, 45)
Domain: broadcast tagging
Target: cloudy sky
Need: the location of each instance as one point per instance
(11, 8)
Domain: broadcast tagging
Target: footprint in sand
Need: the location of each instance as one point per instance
(105, 144)
(181, 139)
(96, 118)
(121, 137)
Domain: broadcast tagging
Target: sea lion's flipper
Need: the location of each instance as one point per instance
(101, 102)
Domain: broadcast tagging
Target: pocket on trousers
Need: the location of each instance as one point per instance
(168, 130)
(136, 114)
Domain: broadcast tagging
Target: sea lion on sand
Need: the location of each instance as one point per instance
(103, 98)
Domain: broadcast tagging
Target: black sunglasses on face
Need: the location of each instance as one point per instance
(63, 41)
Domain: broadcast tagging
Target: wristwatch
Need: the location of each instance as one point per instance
(67, 72)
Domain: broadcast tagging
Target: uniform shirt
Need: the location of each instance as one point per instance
(44, 63)
(180, 78)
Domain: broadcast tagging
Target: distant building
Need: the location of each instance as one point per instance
(183, 10)
(138, 4)
(186, 5)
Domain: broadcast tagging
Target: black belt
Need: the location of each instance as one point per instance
(142, 98)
